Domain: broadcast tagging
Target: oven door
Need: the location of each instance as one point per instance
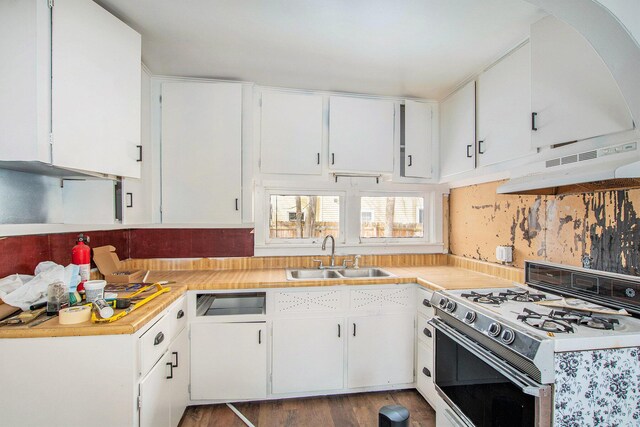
(482, 388)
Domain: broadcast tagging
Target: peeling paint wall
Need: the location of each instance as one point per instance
(563, 229)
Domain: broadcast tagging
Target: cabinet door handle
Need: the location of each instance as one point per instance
(260, 336)
(480, 150)
(175, 365)
(410, 160)
(139, 159)
(426, 372)
(333, 158)
(158, 339)
(236, 204)
(468, 151)
(180, 314)
(339, 330)
(170, 365)
(426, 303)
(318, 158)
(427, 332)
(534, 116)
(354, 329)
(129, 200)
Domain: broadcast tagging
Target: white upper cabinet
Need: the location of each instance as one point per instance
(417, 139)
(96, 90)
(573, 95)
(73, 71)
(201, 152)
(457, 131)
(504, 109)
(361, 134)
(291, 133)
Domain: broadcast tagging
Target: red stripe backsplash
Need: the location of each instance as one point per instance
(21, 254)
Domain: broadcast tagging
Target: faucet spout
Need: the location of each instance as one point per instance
(333, 248)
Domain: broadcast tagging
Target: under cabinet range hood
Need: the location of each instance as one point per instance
(609, 168)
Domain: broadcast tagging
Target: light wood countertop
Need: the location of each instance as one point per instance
(432, 277)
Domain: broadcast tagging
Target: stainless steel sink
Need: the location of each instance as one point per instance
(345, 273)
(308, 274)
(364, 272)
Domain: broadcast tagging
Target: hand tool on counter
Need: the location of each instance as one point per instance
(24, 318)
(160, 289)
(41, 320)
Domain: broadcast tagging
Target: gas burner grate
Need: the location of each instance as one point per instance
(488, 298)
(585, 319)
(524, 296)
(544, 322)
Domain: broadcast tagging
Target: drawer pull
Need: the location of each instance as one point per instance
(180, 314)
(426, 303)
(170, 365)
(158, 339)
(260, 336)
(427, 332)
(338, 330)
(354, 329)
(175, 365)
(426, 372)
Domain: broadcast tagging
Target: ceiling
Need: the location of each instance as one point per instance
(412, 48)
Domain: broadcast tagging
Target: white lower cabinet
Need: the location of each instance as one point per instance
(179, 384)
(155, 395)
(228, 361)
(308, 354)
(380, 350)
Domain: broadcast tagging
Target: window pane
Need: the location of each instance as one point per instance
(391, 217)
(303, 217)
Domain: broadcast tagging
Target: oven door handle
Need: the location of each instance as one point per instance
(526, 384)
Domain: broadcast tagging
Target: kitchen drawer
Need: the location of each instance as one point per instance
(301, 302)
(424, 304)
(425, 331)
(154, 343)
(177, 317)
(424, 373)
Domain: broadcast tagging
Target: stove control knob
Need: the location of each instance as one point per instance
(508, 336)
(494, 329)
(443, 302)
(451, 307)
(470, 317)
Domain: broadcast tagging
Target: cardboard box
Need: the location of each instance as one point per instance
(110, 266)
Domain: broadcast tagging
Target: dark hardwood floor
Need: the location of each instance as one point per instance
(326, 411)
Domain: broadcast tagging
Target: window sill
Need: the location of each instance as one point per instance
(283, 249)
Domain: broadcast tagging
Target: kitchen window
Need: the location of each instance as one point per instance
(392, 217)
(298, 216)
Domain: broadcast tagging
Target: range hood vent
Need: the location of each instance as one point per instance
(610, 168)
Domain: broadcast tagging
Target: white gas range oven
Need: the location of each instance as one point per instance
(502, 358)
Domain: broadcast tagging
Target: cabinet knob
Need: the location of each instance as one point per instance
(426, 303)
(426, 372)
(158, 339)
(180, 314)
(427, 332)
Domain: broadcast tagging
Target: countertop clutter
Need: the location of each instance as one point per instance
(432, 277)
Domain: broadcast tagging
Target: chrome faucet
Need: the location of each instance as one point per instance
(333, 248)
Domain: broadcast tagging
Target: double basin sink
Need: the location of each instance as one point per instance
(342, 273)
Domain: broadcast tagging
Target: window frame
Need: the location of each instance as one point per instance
(274, 241)
(426, 218)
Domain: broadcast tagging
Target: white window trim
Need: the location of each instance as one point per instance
(426, 229)
(312, 241)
